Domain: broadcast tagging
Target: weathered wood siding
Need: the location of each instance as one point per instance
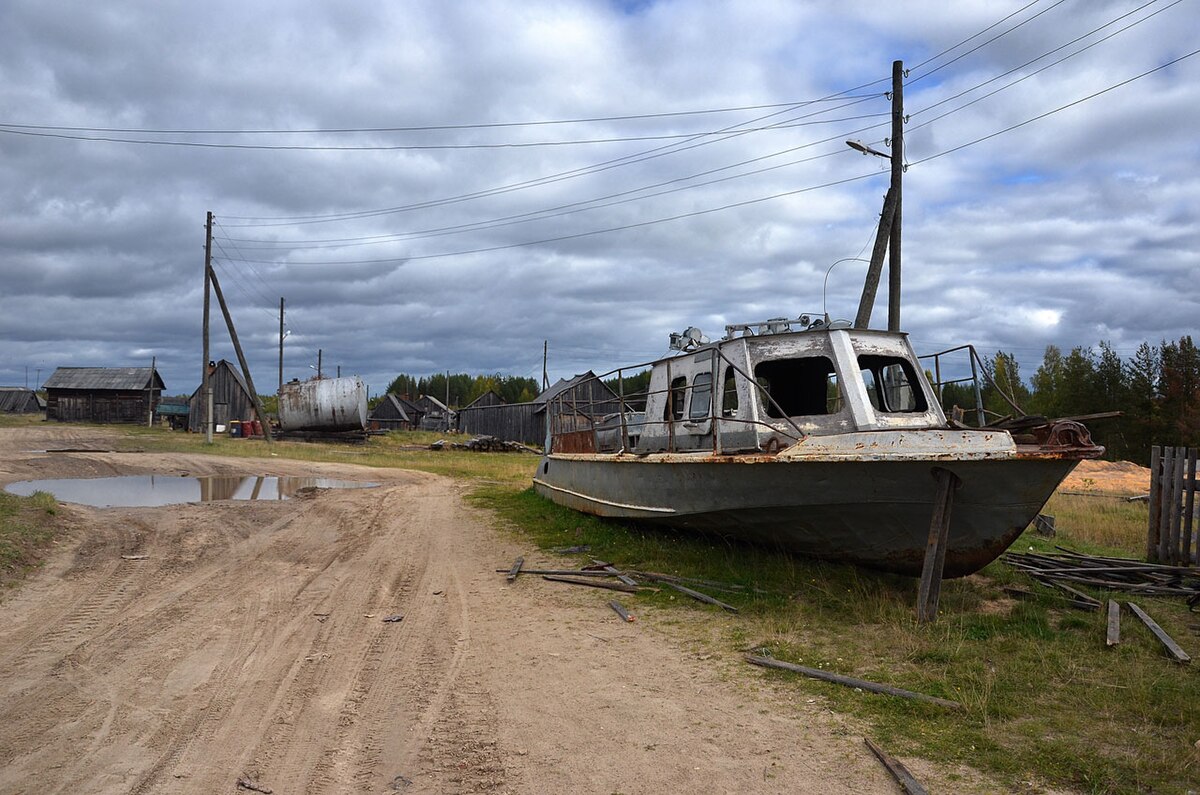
(103, 406)
(231, 400)
(512, 422)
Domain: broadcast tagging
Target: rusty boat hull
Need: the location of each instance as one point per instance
(869, 511)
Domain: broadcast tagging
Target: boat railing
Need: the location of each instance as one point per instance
(979, 373)
(579, 417)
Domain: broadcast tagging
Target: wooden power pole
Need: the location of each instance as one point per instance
(280, 345)
(897, 179)
(887, 236)
(205, 383)
(237, 348)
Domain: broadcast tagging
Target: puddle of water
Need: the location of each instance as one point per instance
(141, 491)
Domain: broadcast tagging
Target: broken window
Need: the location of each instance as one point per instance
(892, 384)
(799, 387)
(729, 396)
(701, 396)
(675, 399)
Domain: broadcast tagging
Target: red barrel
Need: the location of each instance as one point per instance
(258, 431)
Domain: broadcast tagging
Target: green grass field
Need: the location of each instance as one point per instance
(1044, 700)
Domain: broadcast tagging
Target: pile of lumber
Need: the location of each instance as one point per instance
(1114, 574)
(487, 444)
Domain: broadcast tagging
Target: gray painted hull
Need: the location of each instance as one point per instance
(873, 513)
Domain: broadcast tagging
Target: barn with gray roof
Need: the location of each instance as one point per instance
(102, 394)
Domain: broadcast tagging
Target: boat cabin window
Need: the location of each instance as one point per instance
(800, 387)
(675, 399)
(701, 396)
(729, 396)
(892, 384)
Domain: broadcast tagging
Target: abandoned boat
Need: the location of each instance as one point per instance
(815, 437)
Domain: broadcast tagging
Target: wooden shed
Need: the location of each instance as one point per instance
(20, 400)
(584, 397)
(394, 413)
(231, 398)
(102, 394)
(436, 415)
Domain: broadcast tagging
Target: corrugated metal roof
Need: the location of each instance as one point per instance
(129, 378)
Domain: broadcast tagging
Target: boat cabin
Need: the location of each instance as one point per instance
(765, 389)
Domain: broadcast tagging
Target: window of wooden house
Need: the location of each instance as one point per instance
(892, 385)
(701, 396)
(800, 387)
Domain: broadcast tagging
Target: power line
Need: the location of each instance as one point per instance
(975, 36)
(418, 128)
(1057, 110)
(1045, 67)
(595, 168)
(406, 147)
(986, 43)
(560, 210)
(577, 235)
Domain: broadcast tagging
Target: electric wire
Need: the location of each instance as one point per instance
(417, 128)
(578, 235)
(594, 168)
(933, 58)
(1044, 67)
(1048, 113)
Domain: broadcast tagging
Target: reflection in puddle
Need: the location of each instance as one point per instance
(139, 491)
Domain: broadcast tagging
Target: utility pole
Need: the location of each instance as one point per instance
(447, 400)
(339, 371)
(237, 348)
(888, 231)
(545, 377)
(897, 179)
(280, 345)
(318, 364)
(150, 392)
(205, 383)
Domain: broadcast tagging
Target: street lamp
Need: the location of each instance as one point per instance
(866, 150)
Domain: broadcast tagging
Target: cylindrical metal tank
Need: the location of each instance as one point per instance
(327, 404)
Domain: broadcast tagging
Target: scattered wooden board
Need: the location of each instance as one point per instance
(905, 779)
(1172, 647)
(850, 681)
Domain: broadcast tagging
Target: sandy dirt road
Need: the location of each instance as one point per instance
(250, 643)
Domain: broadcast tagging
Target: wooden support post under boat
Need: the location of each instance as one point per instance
(935, 549)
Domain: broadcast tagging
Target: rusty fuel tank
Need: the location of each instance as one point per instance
(326, 404)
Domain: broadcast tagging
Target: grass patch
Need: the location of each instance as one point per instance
(27, 526)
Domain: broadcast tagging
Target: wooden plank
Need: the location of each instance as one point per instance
(930, 589)
(1153, 503)
(1190, 555)
(1114, 623)
(905, 779)
(1178, 468)
(620, 610)
(561, 572)
(620, 575)
(1172, 647)
(612, 586)
(702, 597)
(516, 569)
(850, 681)
(1166, 481)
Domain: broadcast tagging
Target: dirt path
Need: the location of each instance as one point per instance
(250, 642)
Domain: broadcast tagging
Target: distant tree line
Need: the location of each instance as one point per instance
(1157, 390)
(464, 388)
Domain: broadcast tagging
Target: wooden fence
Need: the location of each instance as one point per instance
(1173, 507)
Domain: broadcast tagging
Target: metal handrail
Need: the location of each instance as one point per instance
(623, 406)
(977, 369)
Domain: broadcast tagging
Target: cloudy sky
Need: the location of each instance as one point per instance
(441, 186)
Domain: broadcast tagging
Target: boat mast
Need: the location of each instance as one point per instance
(887, 237)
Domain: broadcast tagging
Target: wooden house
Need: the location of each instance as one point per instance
(102, 394)
(231, 398)
(394, 413)
(20, 400)
(436, 415)
(574, 402)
